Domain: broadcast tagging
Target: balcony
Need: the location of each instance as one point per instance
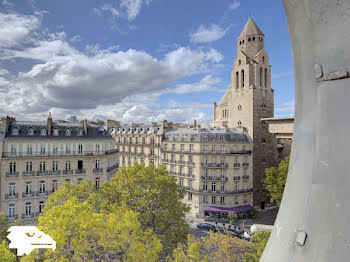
(42, 193)
(80, 171)
(165, 160)
(55, 172)
(97, 170)
(215, 165)
(245, 164)
(214, 178)
(172, 161)
(235, 178)
(28, 216)
(190, 163)
(245, 177)
(181, 162)
(11, 196)
(190, 176)
(14, 217)
(28, 173)
(27, 194)
(68, 171)
(42, 173)
(236, 165)
(241, 152)
(172, 173)
(11, 174)
(181, 174)
(111, 168)
(59, 154)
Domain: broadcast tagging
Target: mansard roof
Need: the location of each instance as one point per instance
(251, 29)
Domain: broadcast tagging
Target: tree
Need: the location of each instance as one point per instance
(5, 253)
(4, 226)
(215, 247)
(257, 245)
(83, 233)
(155, 196)
(275, 179)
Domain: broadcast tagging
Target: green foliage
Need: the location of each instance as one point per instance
(215, 247)
(156, 197)
(5, 253)
(258, 242)
(4, 226)
(275, 179)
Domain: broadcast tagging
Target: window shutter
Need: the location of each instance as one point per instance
(83, 149)
(34, 149)
(94, 149)
(24, 149)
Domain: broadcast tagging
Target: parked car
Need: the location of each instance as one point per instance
(207, 227)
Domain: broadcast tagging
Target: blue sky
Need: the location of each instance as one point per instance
(132, 60)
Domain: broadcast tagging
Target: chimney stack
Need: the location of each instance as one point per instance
(195, 123)
(49, 124)
(199, 129)
(85, 126)
(5, 122)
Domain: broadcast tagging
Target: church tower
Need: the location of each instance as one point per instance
(250, 98)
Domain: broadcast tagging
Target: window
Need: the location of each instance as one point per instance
(54, 165)
(189, 196)
(190, 159)
(42, 186)
(28, 187)
(80, 132)
(182, 147)
(152, 161)
(214, 173)
(261, 76)
(222, 173)
(237, 80)
(12, 189)
(242, 78)
(67, 149)
(54, 185)
(30, 131)
(263, 106)
(143, 140)
(205, 186)
(190, 184)
(67, 180)
(14, 150)
(206, 160)
(222, 200)
(152, 151)
(68, 165)
(205, 149)
(222, 137)
(55, 132)
(136, 140)
(12, 167)
(80, 180)
(239, 123)
(265, 78)
(15, 131)
(245, 186)
(239, 107)
(180, 170)
(29, 149)
(165, 146)
(263, 59)
(236, 187)
(205, 199)
(28, 209)
(152, 140)
(98, 164)
(54, 149)
(97, 182)
(80, 149)
(41, 206)
(222, 149)
(213, 149)
(11, 210)
(98, 149)
(245, 199)
(236, 200)
(181, 182)
(191, 148)
(68, 132)
(213, 160)
(263, 123)
(263, 141)
(249, 39)
(29, 166)
(263, 160)
(42, 149)
(239, 62)
(253, 39)
(42, 166)
(205, 172)
(43, 132)
(213, 187)
(213, 199)
(190, 171)
(222, 187)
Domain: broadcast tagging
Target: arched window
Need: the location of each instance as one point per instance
(68, 132)
(43, 132)
(261, 75)
(240, 42)
(263, 106)
(56, 132)
(243, 41)
(239, 62)
(253, 39)
(265, 77)
(249, 39)
(239, 123)
(263, 141)
(242, 78)
(239, 107)
(15, 131)
(237, 80)
(263, 59)
(30, 131)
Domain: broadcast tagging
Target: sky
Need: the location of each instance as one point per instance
(135, 61)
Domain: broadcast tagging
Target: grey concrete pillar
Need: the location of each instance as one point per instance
(313, 223)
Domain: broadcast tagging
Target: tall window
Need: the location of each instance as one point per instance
(205, 199)
(213, 149)
(136, 140)
(41, 206)
(67, 149)
(11, 211)
(12, 189)
(80, 149)
(68, 165)
(54, 165)
(14, 150)
(152, 140)
(222, 149)
(213, 187)
(152, 151)
(222, 187)
(245, 200)
(261, 76)
(29, 149)
(205, 172)
(98, 149)
(236, 187)
(98, 164)
(213, 199)
(205, 186)
(173, 147)
(152, 161)
(245, 186)
(54, 185)
(28, 209)
(42, 166)
(43, 132)
(236, 200)
(42, 186)
(28, 187)
(222, 173)
(222, 200)
(182, 147)
(190, 159)
(190, 171)
(191, 148)
(97, 182)
(237, 80)
(242, 78)
(190, 184)
(206, 149)
(180, 170)
(55, 132)
(265, 77)
(42, 149)
(29, 166)
(68, 132)
(55, 149)
(181, 182)
(12, 167)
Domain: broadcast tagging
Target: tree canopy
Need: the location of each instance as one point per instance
(257, 245)
(275, 179)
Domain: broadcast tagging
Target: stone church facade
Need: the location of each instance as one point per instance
(248, 99)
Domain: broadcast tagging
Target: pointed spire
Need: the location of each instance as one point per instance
(251, 29)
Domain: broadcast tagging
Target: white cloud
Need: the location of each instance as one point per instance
(15, 28)
(208, 34)
(113, 10)
(235, 5)
(205, 84)
(287, 107)
(281, 75)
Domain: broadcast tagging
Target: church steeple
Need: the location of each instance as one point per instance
(251, 29)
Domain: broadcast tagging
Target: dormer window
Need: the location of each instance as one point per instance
(30, 131)
(80, 132)
(55, 132)
(43, 132)
(68, 132)
(15, 131)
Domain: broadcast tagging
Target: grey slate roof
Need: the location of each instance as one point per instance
(93, 131)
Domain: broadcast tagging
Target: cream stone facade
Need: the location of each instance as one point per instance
(38, 157)
(248, 99)
(213, 165)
